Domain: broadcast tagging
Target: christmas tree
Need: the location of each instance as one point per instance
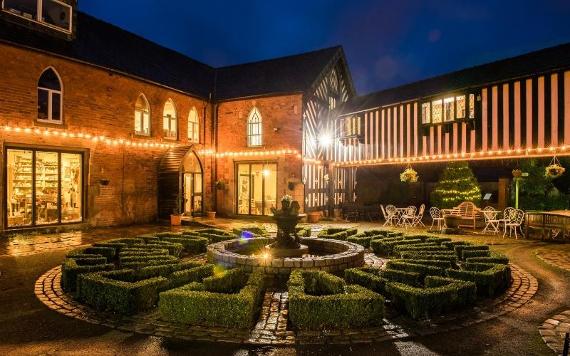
(456, 185)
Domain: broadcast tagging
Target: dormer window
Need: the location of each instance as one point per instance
(51, 13)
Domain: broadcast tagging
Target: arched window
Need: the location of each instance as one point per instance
(193, 126)
(169, 121)
(142, 116)
(50, 98)
(254, 128)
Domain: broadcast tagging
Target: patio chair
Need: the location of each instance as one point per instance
(492, 221)
(419, 216)
(436, 218)
(408, 217)
(516, 218)
(389, 214)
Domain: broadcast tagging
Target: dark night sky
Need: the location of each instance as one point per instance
(387, 42)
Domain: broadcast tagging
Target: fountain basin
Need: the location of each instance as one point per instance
(251, 255)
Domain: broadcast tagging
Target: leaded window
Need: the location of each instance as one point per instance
(254, 128)
(193, 126)
(169, 120)
(142, 116)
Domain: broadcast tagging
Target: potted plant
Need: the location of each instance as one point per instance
(211, 215)
(176, 216)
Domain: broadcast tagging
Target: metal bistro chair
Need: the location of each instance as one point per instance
(491, 221)
(436, 218)
(419, 216)
(516, 218)
(407, 218)
(389, 215)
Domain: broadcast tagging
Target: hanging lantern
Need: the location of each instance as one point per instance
(554, 169)
(409, 175)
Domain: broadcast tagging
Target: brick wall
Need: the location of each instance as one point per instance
(99, 102)
(282, 129)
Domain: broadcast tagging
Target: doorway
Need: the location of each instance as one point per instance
(191, 180)
(256, 188)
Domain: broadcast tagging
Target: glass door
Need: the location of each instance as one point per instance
(256, 188)
(192, 193)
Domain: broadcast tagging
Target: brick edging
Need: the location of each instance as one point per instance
(553, 330)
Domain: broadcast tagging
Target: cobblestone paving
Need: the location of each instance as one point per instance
(271, 328)
(272, 325)
(373, 261)
(555, 255)
(554, 329)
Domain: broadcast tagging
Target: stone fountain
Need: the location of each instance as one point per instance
(287, 242)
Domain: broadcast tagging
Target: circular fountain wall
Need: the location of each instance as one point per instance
(324, 254)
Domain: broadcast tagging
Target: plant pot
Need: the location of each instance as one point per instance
(175, 219)
(211, 215)
(314, 217)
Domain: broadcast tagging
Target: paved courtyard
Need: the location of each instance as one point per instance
(28, 326)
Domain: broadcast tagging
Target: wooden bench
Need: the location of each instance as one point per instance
(468, 212)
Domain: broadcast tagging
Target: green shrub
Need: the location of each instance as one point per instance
(394, 275)
(229, 281)
(73, 267)
(435, 263)
(361, 240)
(174, 248)
(494, 258)
(376, 232)
(440, 294)
(423, 270)
(356, 306)
(439, 256)
(342, 235)
(368, 277)
(130, 291)
(213, 231)
(438, 240)
(303, 231)
(254, 229)
(322, 283)
(192, 244)
(425, 246)
(108, 252)
(490, 279)
(194, 304)
(451, 244)
(386, 246)
(459, 249)
(465, 254)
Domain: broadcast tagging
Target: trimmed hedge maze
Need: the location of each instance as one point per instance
(427, 275)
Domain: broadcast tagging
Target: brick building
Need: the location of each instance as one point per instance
(101, 127)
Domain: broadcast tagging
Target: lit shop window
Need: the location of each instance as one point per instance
(460, 103)
(43, 187)
(50, 101)
(426, 113)
(254, 128)
(142, 116)
(448, 109)
(436, 111)
(51, 13)
(193, 126)
(169, 120)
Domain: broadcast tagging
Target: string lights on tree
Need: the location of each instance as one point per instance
(456, 185)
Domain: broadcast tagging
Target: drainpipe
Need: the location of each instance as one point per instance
(214, 130)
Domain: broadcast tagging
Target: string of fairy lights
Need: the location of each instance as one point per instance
(463, 156)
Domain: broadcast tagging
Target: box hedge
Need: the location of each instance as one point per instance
(368, 277)
(361, 240)
(438, 295)
(256, 230)
(423, 270)
(71, 268)
(195, 304)
(130, 291)
(354, 306)
(493, 258)
(465, 254)
(490, 278)
(337, 233)
(385, 246)
(108, 252)
(303, 231)
(459, 249)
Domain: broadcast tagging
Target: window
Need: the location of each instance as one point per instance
(142, 116)
(169, 121)
(460, 102)
(256, 188)
(43, 187)
(448, 109)
(254, 128)
(426, 113)
(193, 126)
(436, 111)
(332, 102)
(51, 13)
(49, 97)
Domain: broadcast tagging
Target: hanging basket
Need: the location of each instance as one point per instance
(409, 175)
(554, 169)
(517, 173)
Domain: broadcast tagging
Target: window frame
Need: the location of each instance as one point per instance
(193, 126)
(39, 11)
(50, 93)
(470, 98)
(170, 119)
(252, 137)
(137, 111)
